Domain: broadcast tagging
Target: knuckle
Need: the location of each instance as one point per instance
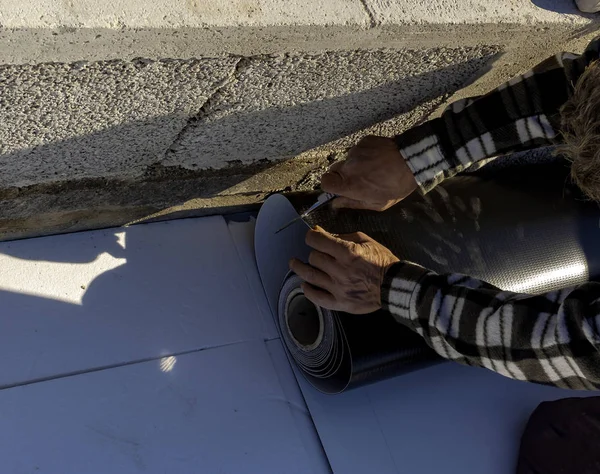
(369, 139)
(345, 245)
(354, 152)
(338, 165)
(353, 247)
(336, 176)
(338, 203)
(300, 271)
(363, 237)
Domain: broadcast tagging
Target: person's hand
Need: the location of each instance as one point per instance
(374, 176)
(345, 272)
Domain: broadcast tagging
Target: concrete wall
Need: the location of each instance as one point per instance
(112, 112)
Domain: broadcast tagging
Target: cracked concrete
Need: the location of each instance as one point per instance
(168, 192)
(88, 145)
(114, 119)
(104, 119)
(370, 13)
(65, 31)
(214, 97)
(281, 106)
(125, 110)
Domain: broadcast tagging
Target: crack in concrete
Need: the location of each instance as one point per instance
(241, 64)
(370, 13)
(308, 179)
(312, 178)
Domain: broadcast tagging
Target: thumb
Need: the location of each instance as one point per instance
(347, 203)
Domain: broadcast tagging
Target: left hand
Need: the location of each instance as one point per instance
(375, 176)
(345, 272)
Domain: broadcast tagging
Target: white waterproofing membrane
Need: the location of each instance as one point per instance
(145, 349)
(154, 349)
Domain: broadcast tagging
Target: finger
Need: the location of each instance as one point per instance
(321, 240)
(324, 262)
(310, 274)
(321, 298)
(348, 203)
(335, 182)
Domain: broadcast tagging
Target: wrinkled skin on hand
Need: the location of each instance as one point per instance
(375, 176)
(344, 272)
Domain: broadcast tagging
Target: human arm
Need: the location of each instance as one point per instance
(551, 339)
(521, 114)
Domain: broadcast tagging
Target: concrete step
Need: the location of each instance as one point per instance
(112, 112)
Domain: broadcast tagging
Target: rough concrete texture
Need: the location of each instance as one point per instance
(474, 11)
(169, 193)
(71, 30)
(177, 13)
(138, 140)
(279, 107)
(70, 121)
(91, 135)
(67, 44)
(206, 13)
(116, 119)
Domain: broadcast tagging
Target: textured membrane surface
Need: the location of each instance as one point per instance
(520, 236)
(525, 230)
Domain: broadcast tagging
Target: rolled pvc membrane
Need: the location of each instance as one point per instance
(525, 231)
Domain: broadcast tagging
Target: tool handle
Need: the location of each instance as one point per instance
(326, 197)
(323, 198)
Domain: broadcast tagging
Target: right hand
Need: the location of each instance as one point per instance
(344, 272)
(375, 176)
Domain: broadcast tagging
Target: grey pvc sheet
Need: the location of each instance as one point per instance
(524, 231)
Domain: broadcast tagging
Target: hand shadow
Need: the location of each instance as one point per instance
(168, 290)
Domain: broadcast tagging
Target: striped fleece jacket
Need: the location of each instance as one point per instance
(553, 338)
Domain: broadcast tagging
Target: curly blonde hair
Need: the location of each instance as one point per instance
(580, 117)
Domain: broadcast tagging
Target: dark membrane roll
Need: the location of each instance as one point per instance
(337, 351)
(526, 230)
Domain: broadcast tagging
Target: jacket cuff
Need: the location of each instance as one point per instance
(400, 284)
(421, 149)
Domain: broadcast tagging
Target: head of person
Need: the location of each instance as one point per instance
(581, 130)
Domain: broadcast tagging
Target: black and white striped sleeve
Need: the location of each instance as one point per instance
(551, 339)
(521, 114)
